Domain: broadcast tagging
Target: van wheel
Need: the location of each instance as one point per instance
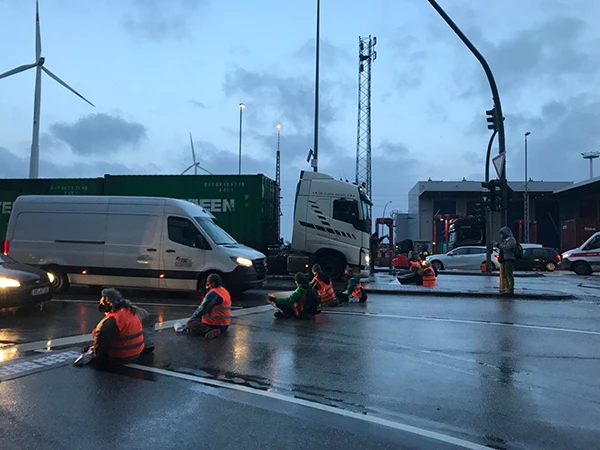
(550, 266)
(581, 268)
(61, 280)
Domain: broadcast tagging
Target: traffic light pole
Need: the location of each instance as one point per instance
(493, 87)
(488, 212)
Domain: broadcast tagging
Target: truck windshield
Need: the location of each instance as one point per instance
(216, 233)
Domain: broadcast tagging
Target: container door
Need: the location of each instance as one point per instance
(183, 252)
(132, 251)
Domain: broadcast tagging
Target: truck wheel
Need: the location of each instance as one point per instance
(332, 266)
(550, 266)
(61, 280)
(581, 268)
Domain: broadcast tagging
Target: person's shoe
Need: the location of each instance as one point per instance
(213, 334)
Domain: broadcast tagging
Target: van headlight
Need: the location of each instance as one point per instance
(243, 261)
(51, 277)
(566, 255)
(8, 283)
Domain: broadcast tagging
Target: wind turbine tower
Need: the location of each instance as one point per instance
(34, 161)
(367, 54)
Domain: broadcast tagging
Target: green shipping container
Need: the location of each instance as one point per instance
(243, 205)
(11, 188)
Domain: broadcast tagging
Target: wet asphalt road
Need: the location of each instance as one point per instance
(502, 373)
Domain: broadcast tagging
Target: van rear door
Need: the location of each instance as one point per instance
(183, 252)
(132, 256)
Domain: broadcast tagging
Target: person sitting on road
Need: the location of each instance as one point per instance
(118, 337)
(324, 286)
(353, 289)
(303, 303)
(213, 316)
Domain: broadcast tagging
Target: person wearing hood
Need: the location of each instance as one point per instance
(507, 260)
(118, 337)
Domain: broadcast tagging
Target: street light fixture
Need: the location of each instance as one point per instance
(242, 106)
(526, 199)
(384, 208)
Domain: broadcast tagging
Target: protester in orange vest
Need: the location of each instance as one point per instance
(118, 337)
(213, 316)
(324, 287)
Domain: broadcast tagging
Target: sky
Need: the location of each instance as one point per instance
(158, 70)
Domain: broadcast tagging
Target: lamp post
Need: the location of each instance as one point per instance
(526, 199)
(242, 106)
(278, 182)
(384, 208)
(316, 132)
(591, 156)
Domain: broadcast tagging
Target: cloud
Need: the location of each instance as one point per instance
(198, 104)
(160, 20)
(97, 134)
(329, 54)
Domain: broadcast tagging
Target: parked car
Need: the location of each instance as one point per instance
(22, 285)
(463, 258)
(538, 258)
(584, 259)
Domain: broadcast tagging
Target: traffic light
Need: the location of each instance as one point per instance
(502, 195)
(480, 211)
(489, 196)
(492, 119)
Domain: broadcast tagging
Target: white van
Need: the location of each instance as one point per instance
(584, 259)
(132, 242)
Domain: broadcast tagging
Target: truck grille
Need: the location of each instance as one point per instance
(260, 266)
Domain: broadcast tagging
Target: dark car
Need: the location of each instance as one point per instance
(538, 258)
(22, 285)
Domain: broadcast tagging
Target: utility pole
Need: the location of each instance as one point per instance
(278, 183)
(526, 199)
(366, 56)
(316, 133)
(591, 156)
(242, 106)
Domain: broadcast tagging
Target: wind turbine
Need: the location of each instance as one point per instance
(34, 161)
(196, 165)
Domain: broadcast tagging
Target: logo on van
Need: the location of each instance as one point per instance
(215, 204)
(5, 207)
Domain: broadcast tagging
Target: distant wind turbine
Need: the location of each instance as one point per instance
(34, 161)
(195, 165)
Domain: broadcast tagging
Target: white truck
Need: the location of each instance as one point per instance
(584, 259)
(332, 225)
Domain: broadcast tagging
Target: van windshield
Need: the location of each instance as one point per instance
(216, 233)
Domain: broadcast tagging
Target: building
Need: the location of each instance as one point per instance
(430, 199)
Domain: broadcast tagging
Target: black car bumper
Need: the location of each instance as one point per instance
(25, 295)
(245, 278)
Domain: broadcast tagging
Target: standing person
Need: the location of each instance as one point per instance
(507, 260)
(324, 287)
(303, 303)
(213, 316)
(118, 337)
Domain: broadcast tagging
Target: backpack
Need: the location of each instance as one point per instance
(518, 251)
(313, 302)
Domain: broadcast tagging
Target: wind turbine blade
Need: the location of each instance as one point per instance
(193, 151)
(202, 168)
(38, 37)
(186, 170)
(17, 70)
(59, 81)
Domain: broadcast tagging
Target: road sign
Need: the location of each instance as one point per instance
(499, 164)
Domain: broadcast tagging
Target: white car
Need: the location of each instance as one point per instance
(462, 258)
(585, 259)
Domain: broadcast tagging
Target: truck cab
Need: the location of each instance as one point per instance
(332, 223)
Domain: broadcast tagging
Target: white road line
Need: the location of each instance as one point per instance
(183, 305)
(473, 322)
(83, 338)
(330, 409)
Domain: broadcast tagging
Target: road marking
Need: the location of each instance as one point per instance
(83, 338)
(19, 368)
(182, 305)
(330, 409)
(476, 322)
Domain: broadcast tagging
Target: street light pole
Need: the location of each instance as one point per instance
(316, 132)
(526, 199)
(278, 183)
(242, 106)
(384, 208)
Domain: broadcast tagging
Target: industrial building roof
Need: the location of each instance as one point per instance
(422, 187)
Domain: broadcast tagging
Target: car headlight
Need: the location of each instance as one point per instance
(367, 258)
(8, 283)
(51, 277)
(243, 261)
(565, 255)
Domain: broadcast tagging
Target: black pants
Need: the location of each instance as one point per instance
(290, 311)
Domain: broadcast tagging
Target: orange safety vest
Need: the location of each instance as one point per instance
(220, 315)
(325, 291)
(357, 291)
(130, 341)
(429, 277)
